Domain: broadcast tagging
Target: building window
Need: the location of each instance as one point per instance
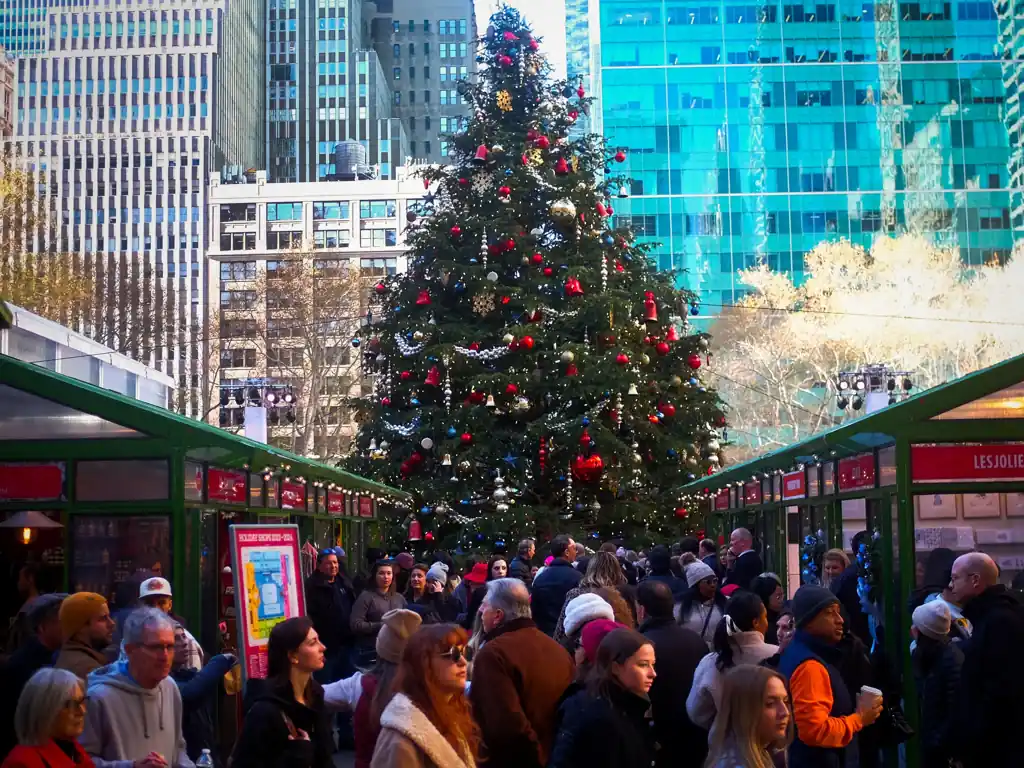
(444, 149)
(396, 26)
(412, 148)
(332, 238)
(397, 51)
(330, 211)
(462, 26)
(238, 241)
(426, 73)
(282, 241)
(377, 209)
(397, 72)
(426, 147)
(237, 270)
(426, 49)
(426, 25)
(426, 123)
(412, 97)
(377, 237)
(237, 299)
(238, 212)
(238, 329)
(412, 25)
(378, 267)
(398, 97)
(426, 97)
(412, 73)
(412, 49)
(238, 358)
(284, 211)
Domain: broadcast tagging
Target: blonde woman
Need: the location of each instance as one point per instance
(603, 570)
(833, 563)
(754, 724)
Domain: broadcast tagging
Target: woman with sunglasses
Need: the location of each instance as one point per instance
(428, 722)
(48, 721)
(703, 605)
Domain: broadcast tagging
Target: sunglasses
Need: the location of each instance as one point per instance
(455, 653)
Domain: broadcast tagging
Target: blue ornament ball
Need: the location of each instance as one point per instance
(460, 287)
(356, 342)
(424, 510)
(414, 401)
(451, 432)
(586, 422)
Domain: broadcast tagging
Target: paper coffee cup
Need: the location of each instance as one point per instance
(872, 691)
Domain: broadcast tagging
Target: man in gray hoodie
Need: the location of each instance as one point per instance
(134, 715)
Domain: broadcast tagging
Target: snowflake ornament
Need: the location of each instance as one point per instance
(504, 99)
(483, 303)
(481, 184)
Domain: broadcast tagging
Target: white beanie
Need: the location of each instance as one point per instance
(932, 619)
(698, 571)
(585, 608)
(438, 572)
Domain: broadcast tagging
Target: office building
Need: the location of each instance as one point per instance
(7, 75)
(24, 26)
(425, 49)
(325, 86)
(125, 114)
(351, 231)
(757, 130)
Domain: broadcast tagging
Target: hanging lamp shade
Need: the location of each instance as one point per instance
(29, 518)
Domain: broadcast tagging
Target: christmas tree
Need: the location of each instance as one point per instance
(534, 372)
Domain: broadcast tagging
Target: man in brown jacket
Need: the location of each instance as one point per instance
(518, 678)
(87, 629)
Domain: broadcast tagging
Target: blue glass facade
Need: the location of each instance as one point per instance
(757, 129)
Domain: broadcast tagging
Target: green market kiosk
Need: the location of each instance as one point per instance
(944, 468)
(96, 487)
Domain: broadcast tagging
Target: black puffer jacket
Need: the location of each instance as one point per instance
(329, 605)
(598, 732)
(937, 675)
(990, 704)
(271, 711)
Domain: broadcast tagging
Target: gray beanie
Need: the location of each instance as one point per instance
(698, 571)
(932, 619)
(398, 625)
(438, 572)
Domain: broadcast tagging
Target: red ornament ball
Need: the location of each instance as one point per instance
(668, 409)
(534, 45)
(681, 512)
(537, 258)
(509, 36)
(662, 348)
(526, 342)
(622, 359)
(588, 469)
(380, 288)
(385, 401)
(463, 181)
(474, 346)
(542, 142)
(504, 61)
(504, 191)
(620, 156)
(548, 271)
(653, 418)
(428, 536)
(510, 244)
(405, 375)
(466, 438)
(511, 389)
(693, 361)
(456, 230)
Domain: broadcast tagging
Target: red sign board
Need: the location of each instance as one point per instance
(722, 499)
(365, 506)
(794, 485)
(226, 487)
(32, 482)
(293, 495)
(335, 503)
(752, 493)
(857, 472)
(977, 463)
(268, 587)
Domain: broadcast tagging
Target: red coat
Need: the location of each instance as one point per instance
(365, 734)
(47, 756)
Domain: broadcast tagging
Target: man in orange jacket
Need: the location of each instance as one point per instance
(826, 716)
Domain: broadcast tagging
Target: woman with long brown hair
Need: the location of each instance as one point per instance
(606, 725)
(754, 724)
(428, 723)
(603, 570)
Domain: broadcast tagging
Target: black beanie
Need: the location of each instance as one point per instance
(809, 601)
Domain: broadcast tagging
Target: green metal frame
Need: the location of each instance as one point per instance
(169, 437)
(900, 426)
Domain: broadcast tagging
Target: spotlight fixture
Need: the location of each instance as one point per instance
(858, 403)
(842, 403)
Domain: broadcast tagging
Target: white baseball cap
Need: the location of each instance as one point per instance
(155, 587)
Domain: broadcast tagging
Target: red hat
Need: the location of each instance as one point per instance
(594, 632)
(478, 575)
(728, 590)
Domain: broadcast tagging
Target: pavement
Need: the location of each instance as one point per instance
(344, 759)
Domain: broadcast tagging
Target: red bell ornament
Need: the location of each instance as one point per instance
(433, 377)
(571, 370)
(573, 287)
(671, 335)
(542, 142)
(561, 167)
(480, 158)
(423, 299)
(601, 210)
(415, 530)
(693, 361)
(650, 308)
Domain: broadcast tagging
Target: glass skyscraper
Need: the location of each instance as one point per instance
(757, 129)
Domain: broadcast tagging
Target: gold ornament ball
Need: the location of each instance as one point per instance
(464, 466)
(417, 336)
(563, 211)
(497, 149)
(568, 356)
(644, 359)
(675, 381)
(508, 338)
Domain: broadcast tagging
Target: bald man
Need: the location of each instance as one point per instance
(991, 700)
(748, 563)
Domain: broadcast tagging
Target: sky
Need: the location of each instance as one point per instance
(546, 17)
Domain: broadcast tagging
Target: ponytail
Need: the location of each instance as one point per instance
(743, 611)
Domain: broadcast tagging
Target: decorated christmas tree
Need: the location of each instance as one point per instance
(533, 371)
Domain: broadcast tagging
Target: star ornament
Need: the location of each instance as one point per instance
(510, 460)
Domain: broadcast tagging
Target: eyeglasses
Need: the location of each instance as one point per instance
(455, 653)
(76, 704)
(159, 648)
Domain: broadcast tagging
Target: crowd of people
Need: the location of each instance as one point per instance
(682, 656)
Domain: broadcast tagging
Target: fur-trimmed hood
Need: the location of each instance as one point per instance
(402, 716)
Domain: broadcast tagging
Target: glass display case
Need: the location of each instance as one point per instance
(107, 549)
